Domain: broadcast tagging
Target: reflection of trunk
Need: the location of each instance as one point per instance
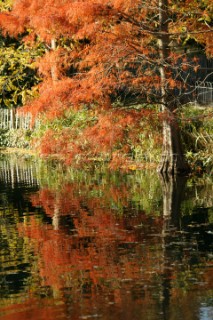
(173, 160)
(56, 214)
(55, 219)
(173, 191)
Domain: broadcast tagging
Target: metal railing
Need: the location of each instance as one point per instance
(204, 92)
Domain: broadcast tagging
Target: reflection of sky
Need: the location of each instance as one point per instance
(206, 313)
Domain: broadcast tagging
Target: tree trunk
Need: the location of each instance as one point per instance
(53, 68)
(173, 160)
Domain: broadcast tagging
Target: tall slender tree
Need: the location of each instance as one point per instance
(134, 52)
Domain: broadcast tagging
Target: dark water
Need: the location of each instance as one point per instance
(97, 245)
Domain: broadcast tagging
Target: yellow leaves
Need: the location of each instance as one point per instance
(16, 73)
(5, 5)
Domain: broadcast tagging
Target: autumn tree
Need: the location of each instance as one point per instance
(129, 52)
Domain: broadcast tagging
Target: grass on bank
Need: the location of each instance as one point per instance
(197, 132)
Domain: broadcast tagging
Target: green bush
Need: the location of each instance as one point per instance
(18, 138)
(197, 132)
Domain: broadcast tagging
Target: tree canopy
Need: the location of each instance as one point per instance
(101, 52)
(104, 48)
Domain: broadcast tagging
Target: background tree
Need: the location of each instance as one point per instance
(118, 51)
(17, 72)
(17, 69)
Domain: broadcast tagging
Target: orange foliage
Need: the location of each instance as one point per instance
(109, 136)
(111, 39)
(104, 51)
(93, 248)
(10, 24)
(110, 253)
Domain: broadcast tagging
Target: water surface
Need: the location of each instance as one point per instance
(92, 244)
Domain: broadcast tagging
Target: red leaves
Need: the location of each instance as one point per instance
(108, 137)
(90, 249)
(53, 61)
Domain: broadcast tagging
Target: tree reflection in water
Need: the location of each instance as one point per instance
(104, 251)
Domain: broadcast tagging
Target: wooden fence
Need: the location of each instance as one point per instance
(13, 119)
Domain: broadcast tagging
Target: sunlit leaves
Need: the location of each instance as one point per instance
(17, 72)
(5, 5)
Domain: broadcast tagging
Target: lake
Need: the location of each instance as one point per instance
(94, 244)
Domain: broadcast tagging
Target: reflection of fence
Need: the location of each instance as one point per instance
(204, 92)
(12, 119)
(13, 173)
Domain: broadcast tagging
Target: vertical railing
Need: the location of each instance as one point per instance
(204, 93)
(12, 119)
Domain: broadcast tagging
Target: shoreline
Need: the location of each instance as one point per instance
(132, 166)
(18, 151)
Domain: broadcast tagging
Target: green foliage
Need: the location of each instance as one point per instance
(5, 5)
(115, 190)
(197, 131)
(71, 119)
(84, 133)
(147, 149)
(200, 190)
(15, 138)
(18, 78)
(17, 72)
